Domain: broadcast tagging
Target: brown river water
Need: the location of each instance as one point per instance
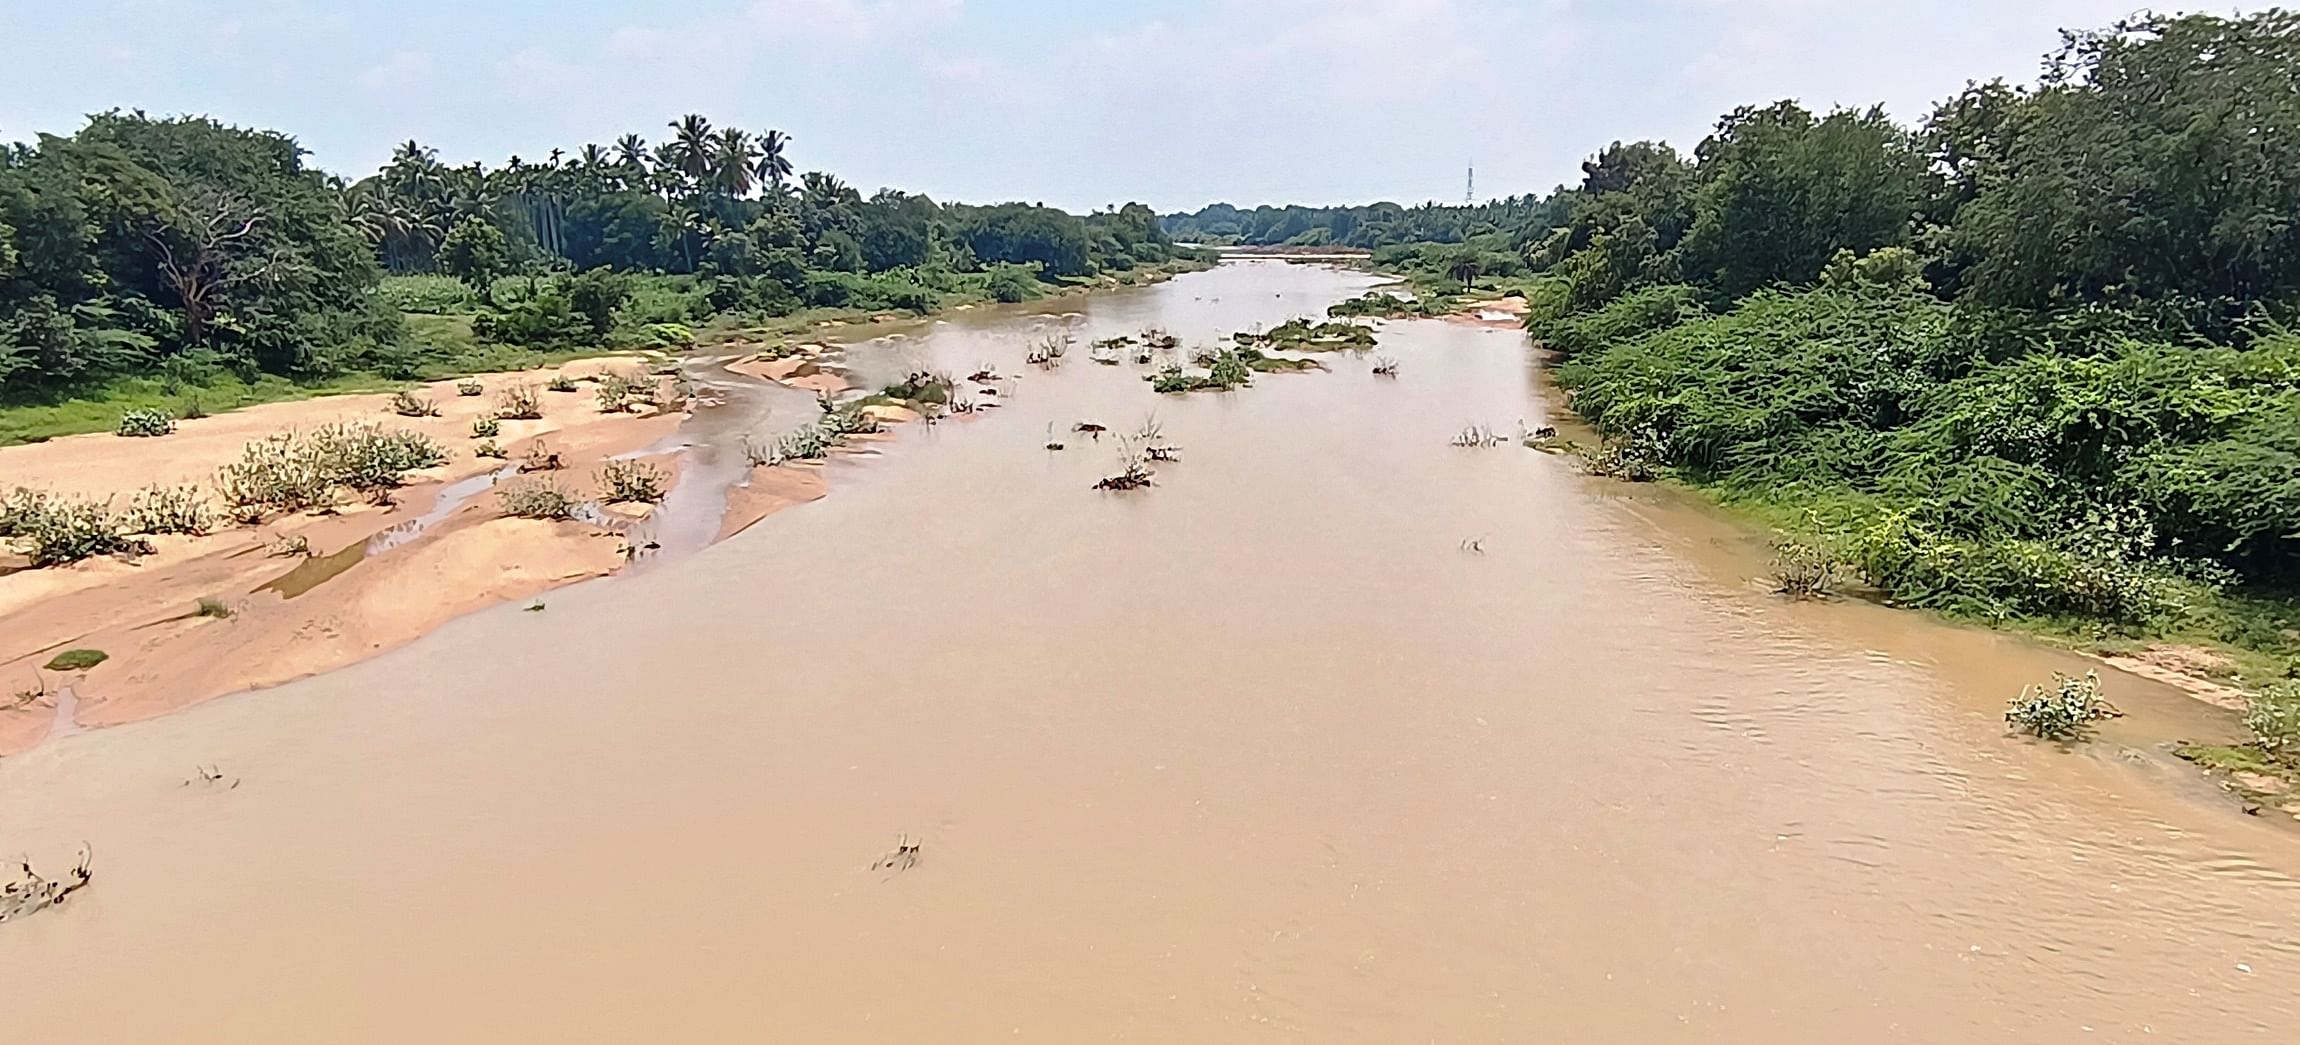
(1261, 754)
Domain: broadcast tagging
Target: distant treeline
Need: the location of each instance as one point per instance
(139, 240)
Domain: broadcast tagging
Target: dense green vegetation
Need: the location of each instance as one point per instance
(2026, 362)
(160, 263)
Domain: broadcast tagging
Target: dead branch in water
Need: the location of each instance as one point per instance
(1384, 366)
(212, 776)
(1477, 436)
(30, 893)
(902, 857)
(1090, 428)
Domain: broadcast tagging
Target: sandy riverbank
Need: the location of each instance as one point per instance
(304, 593)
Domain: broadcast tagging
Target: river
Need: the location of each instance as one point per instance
(1264, 753)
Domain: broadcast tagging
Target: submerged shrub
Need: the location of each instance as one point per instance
(1804, 568)
(169, 509)
(2063, 710)
(146, 423)
(640, 482)
(535, 499)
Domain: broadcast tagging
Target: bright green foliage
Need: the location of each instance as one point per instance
(54, 531)
(486, 427)
(169, 509)
(535, 499)
(146, 423)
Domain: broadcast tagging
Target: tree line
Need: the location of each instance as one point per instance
(138, 241)
(2027, 358)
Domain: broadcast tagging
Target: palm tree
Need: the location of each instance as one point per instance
(773, 167)
(691, 138)
(631, 151)
(731, 162)
(591, 158)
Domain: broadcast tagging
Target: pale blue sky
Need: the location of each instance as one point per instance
(1079, 104)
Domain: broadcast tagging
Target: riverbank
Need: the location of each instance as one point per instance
(250, 606)
(2191, 653)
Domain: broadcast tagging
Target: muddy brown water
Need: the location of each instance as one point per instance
(1261, 754)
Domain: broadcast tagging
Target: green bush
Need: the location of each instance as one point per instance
(169, 509)
(486, 427)
(2274, 718)
(535, 499)
(1012, 283)
(639, 482)
(560, 383)
(626, 390)
(468, 389)
(408, 404)
(426, 293)
(2063, 710)
(60, 531)
(278, 473)
(520, 403)
(146, 423)
(1621, 320)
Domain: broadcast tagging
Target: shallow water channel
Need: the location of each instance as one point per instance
(1263, 753)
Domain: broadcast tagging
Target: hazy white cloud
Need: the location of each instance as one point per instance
(401, 71)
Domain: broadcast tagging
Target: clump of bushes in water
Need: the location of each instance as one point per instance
(920, 386)
(535, 499)
(1804, 568)
(1302, 335)
(1377, 304)
(1224, 371)
(2064, 710)
(808, 443)
(146, 423)
(639, 482)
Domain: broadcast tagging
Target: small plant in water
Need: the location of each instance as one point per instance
(408, 404)
(1384, 366)
(632, 481)
(146, 423)
(1804, 569)
(2064, 710)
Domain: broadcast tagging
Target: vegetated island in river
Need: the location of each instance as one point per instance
(266, 423)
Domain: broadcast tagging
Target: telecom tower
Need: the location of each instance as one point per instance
(1469, 188)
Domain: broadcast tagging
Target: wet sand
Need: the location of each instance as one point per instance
(1262, 753)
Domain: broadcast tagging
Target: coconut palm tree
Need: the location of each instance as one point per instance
(731, 162)
(631, 151)
(693, 147)
(591, 158)
(773, 167)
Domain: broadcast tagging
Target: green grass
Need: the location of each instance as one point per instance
(100, 411)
